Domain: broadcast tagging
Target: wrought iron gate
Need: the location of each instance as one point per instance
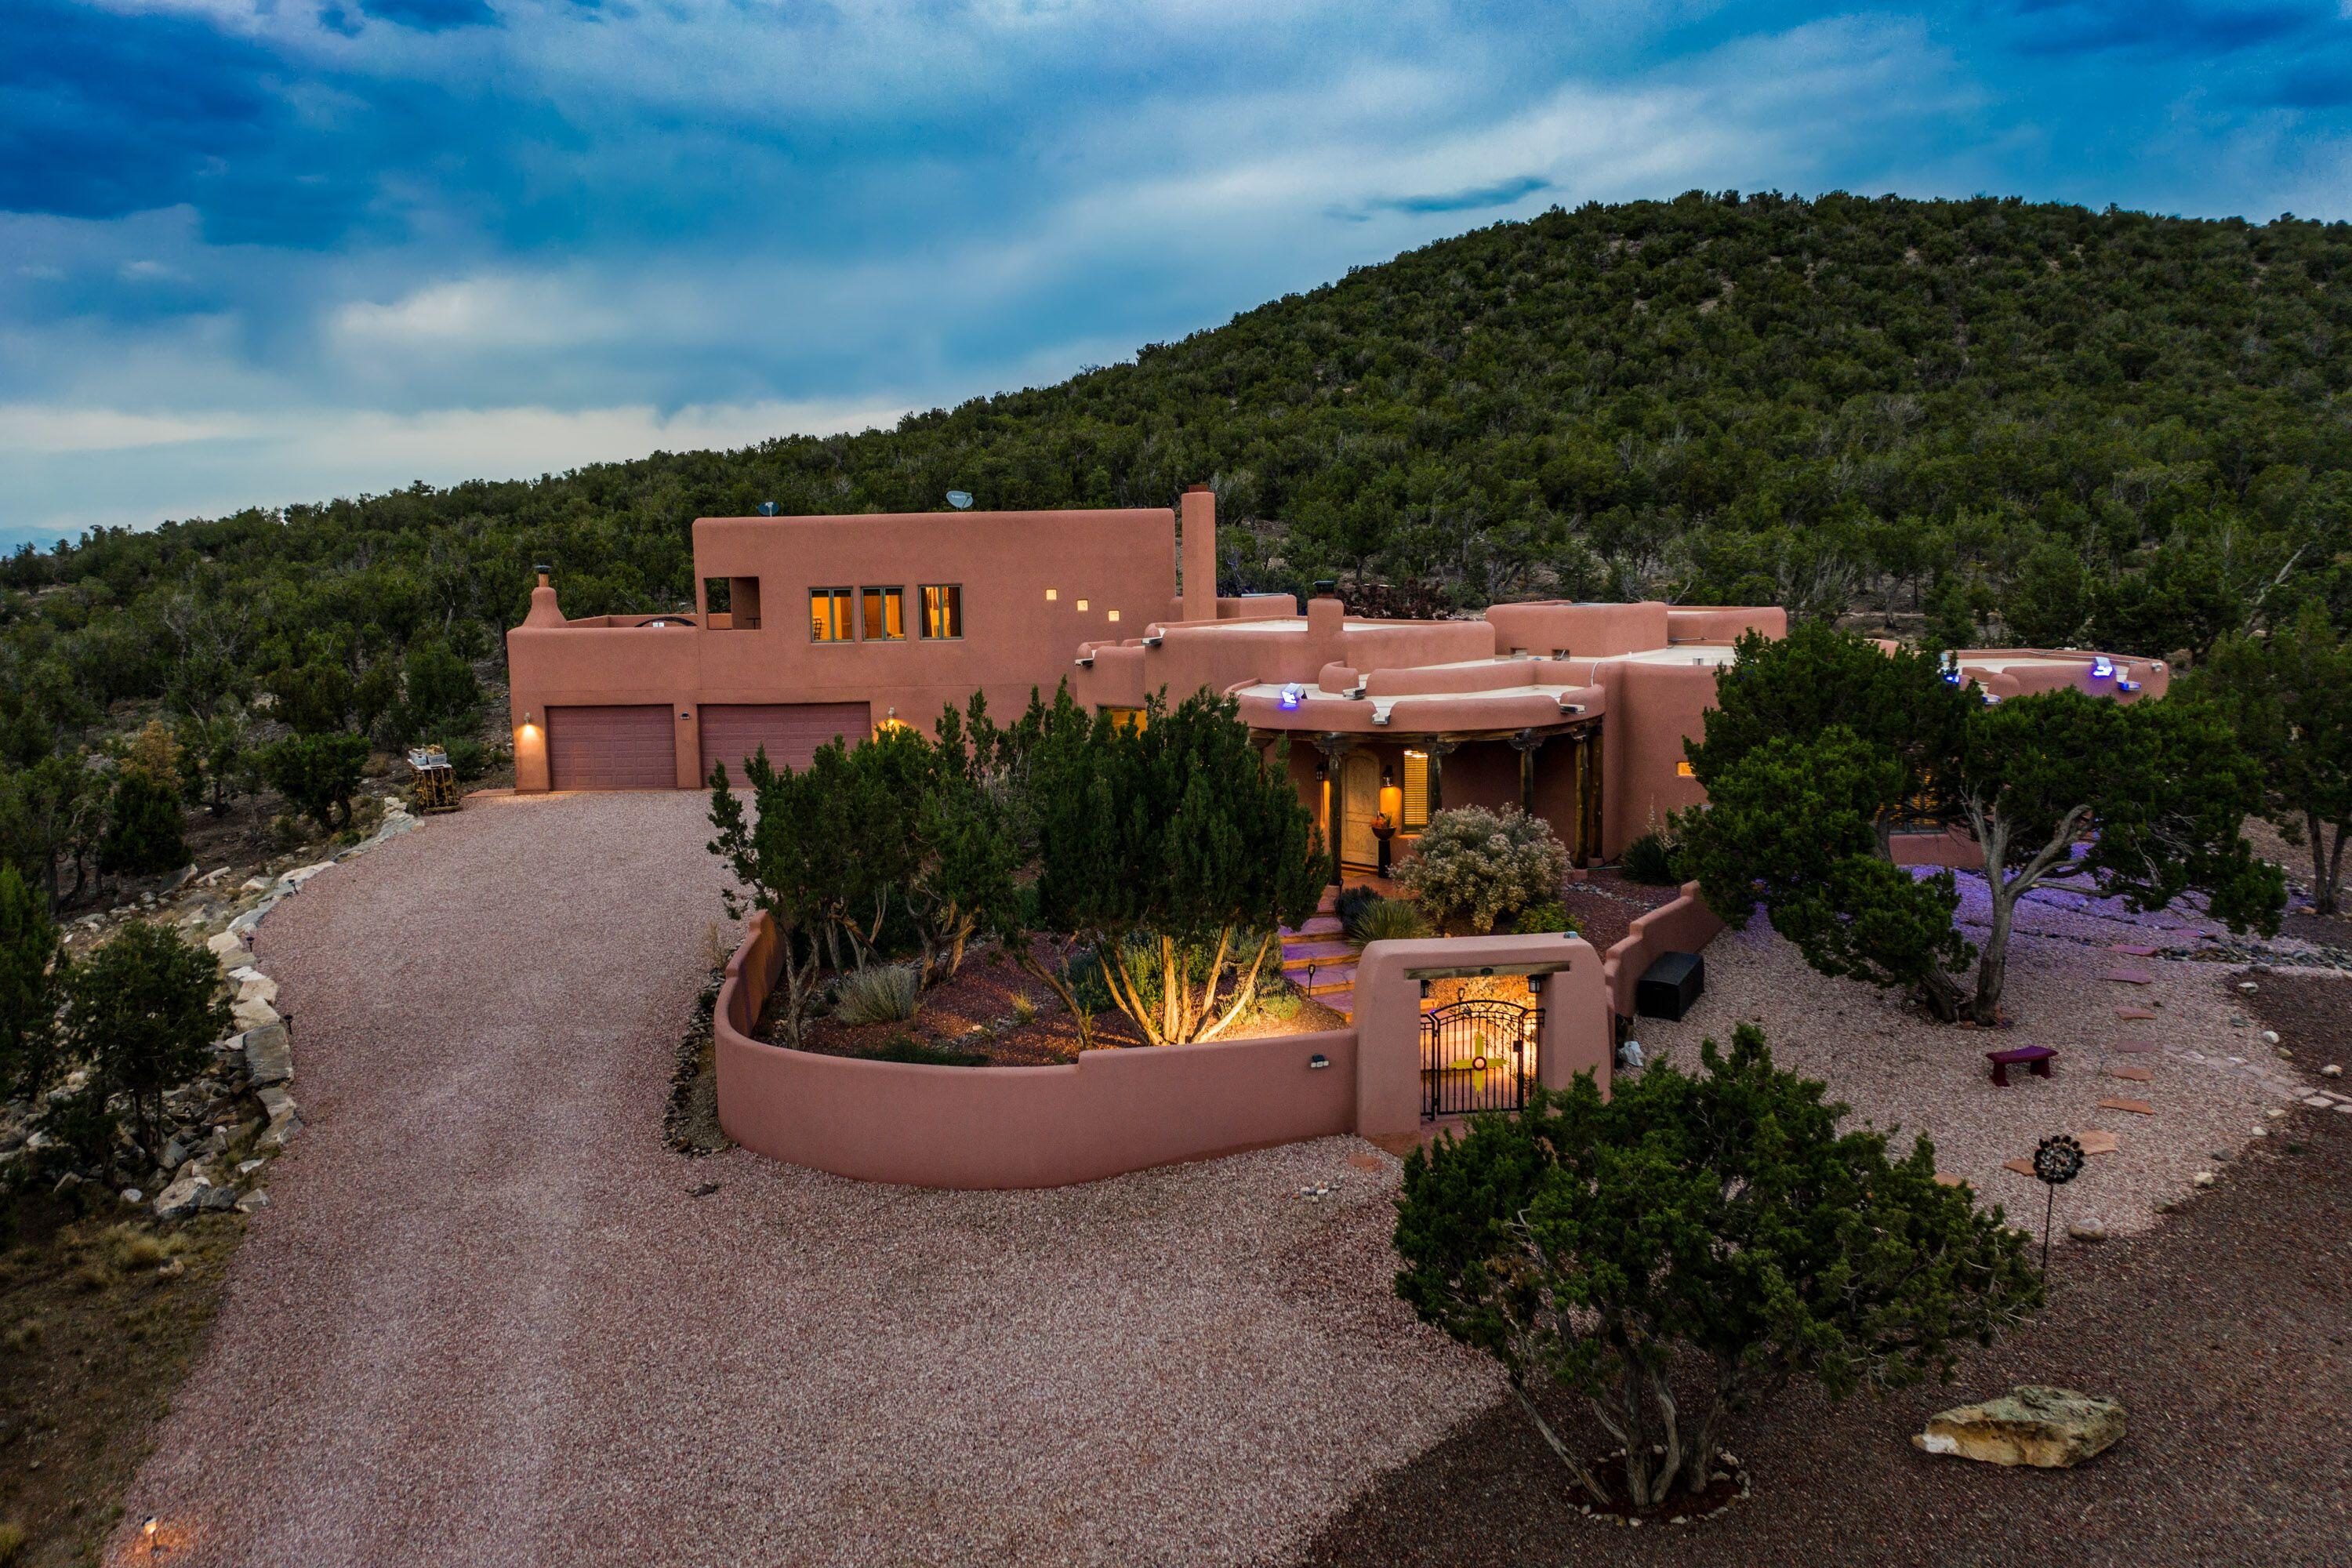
(1474, 1055)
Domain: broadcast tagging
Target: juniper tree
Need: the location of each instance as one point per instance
(1682, 1252)
(1822, 748)
(2288, 696)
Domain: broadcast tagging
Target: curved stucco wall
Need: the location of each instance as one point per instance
(1117, 1111)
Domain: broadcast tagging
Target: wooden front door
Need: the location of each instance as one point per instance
(1359, 802)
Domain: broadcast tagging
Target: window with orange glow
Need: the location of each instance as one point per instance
(885, 613)
(943, 609)
(829, 616)
(1685, 771)
(1415, 784)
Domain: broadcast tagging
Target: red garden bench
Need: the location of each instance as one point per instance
(2035, 1057)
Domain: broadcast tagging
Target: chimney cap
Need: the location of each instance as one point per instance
(1326, 587)
(1196, 490)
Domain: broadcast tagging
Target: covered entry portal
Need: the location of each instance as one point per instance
(1552, 770)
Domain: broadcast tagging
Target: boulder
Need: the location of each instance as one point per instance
(179, 1200)
(2050, 1428)
(252, 985)
(269, 1055)
(216, 1199)
(252, 1015)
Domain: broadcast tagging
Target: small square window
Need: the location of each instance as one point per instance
(1082, 603)
(1685, 771)
(1114, 614)
(943, 610)
(1052, 594)
(829, 616)
(885, 613)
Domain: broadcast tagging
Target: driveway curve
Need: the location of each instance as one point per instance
(487, 1321)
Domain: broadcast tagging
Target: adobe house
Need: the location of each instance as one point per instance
(806, 628)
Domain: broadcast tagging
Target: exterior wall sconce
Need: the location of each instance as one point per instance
(526, 717)
(1317, 1062)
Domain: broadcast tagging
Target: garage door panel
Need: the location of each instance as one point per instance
(791, 731)
(611, 748)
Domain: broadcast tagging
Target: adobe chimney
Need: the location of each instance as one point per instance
(1198, 553)
(544, 611)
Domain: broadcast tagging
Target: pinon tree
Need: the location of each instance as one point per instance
(2288, 695)
(1684, 1250)
(1158, 839)
(1822, 748)
(141, 1012)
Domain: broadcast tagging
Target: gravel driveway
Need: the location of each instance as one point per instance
(485, 1320)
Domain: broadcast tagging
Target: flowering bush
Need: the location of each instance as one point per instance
(1480, 867)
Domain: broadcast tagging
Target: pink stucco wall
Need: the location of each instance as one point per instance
(1117, 1111)
(1684, 925)
(1014, 639)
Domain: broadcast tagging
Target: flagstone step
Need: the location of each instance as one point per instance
(2136, 1106)
(2131, 1074)
(1331, 981)
(2129, 976)
(2130, 1015)
(1318, 925)
(1299, 954)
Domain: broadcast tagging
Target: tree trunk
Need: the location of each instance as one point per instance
(1941, 995)
(2327, 864)
(1992, 962)
(1584, 1477)
(1025, 959)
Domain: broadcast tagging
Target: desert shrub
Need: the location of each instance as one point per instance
(1651, 859)
(1687, 1248)
(1551, 915)
(318, 775)
(1481, 867)
(1278, 1002)
(144, 826)
(1025, 1011)
(469, 758)
(879, 994)
(1386, 920)
(1092, 990)
(141, 1011)
(906, 1049)
(1351, 902)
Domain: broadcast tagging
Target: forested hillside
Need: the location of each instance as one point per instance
(2034, 423)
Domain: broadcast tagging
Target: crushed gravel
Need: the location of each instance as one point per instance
(2213, 1078)
(487, 1320)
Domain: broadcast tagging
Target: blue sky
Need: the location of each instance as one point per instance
(262, 251)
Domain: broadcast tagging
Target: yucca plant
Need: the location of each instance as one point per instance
(1385, 920)
(879, 994)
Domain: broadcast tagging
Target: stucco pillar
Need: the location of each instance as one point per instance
(1200, 553)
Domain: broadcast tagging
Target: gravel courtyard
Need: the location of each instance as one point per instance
(487, 1320)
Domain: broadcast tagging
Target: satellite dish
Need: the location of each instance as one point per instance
(958, 498)
(767, 509)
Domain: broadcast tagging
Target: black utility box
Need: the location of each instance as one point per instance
(1670, 987)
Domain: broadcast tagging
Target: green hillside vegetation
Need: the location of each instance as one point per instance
(1977, 420)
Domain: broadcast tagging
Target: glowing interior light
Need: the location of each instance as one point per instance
(1293, 695)
(2101, 667)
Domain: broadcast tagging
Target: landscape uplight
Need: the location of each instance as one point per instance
(2101, 667)
(1293, 695)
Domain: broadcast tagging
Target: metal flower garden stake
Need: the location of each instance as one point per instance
(2057, 1161)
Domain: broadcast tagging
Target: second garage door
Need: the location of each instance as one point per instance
(791, 731)
(611, 748)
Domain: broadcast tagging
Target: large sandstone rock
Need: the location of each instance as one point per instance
(2053, 1428)
(269, 1054)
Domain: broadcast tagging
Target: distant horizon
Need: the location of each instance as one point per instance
(336, 248)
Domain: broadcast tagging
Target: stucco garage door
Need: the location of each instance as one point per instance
(791, 731)
(611, 748)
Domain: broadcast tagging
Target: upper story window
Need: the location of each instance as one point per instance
(885, 613)
(943, 609)
(829, 616)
